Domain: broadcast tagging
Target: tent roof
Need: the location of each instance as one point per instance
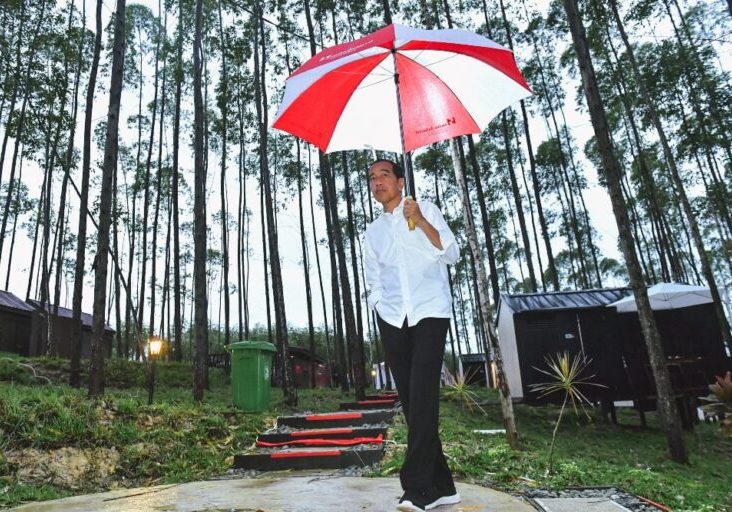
(667, 296)
(473, 358)
(579, 299)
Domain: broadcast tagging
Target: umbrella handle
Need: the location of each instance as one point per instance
(410, 222)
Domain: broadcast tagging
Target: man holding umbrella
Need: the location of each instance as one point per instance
(407, 280)
(398, 89)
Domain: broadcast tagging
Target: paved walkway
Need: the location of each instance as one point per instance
(295, 492)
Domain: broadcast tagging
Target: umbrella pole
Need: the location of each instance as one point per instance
(407, 160)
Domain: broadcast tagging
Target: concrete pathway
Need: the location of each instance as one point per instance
(301, 492)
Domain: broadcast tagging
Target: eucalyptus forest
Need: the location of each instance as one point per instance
(140, 178)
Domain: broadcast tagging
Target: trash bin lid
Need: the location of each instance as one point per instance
(252, 345)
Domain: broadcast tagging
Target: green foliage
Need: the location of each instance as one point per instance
(565, 374)
(461, 392)
(176, 440)
(595, 453)
(720, 402)
(119, 373)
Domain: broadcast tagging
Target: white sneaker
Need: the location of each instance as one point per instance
(444, 500)
(412, 501)
(408, 506)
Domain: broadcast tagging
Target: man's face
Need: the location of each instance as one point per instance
(384, 184)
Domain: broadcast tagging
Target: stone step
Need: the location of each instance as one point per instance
(337, 419)
(382, 403)
(322, 434)
(383, 396)
(309, 458)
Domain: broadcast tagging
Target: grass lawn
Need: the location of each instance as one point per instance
(127, 443)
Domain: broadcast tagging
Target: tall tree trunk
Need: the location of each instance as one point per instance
(387, 11)
(177, 291)
(35, 240)
(288, 384)
(354, 269)
(121, 350)
(66, 164)
(485, 218)
(532, 164)
(200, 323)
(668, 411)
(158, 180)
(18, 80)
(75, 369)
(243, 230)
(320, 273)
(354, 336)
(16, 214)
(146, 191)
(306, 267)
(96, 370)
(265, 259)
(224, 213)
(331, 227)
(511, 172)
(509, 418)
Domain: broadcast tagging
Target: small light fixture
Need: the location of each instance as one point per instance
(154, 348)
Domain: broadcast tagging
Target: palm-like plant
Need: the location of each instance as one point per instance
(457, 388)
(566, 376)
(720, 402)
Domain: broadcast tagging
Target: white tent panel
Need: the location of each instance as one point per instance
(667, 296)
(509, 351)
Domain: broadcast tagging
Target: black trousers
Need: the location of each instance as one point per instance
(414, 355)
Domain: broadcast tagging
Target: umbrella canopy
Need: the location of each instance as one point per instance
(667, 296)
(398, 89)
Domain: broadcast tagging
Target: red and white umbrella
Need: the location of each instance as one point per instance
(398, 89)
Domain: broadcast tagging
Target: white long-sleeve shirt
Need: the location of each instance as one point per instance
(406, 276)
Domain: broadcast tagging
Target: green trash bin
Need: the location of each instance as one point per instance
(251, 365)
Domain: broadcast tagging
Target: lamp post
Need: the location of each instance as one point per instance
(154, 346)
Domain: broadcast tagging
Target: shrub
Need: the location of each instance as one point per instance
(720, 402)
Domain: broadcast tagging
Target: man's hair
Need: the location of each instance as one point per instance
(395, 167)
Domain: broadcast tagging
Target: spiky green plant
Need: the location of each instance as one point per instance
(458, 389)
(720, 402)
(565, 372)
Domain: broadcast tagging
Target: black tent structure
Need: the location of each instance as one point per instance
(533, 326)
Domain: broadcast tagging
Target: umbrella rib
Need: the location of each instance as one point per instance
(375, 83)
(451, 56)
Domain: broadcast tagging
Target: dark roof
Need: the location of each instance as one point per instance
(11, 301)
(304, 353)
(473, 358)
(564, 300)
(86, 318)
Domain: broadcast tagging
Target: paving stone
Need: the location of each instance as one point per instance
(583, 504)
(310, 492)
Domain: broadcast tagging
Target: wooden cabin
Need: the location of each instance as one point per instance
(15, 324)
(301, 364)
(62, 325)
